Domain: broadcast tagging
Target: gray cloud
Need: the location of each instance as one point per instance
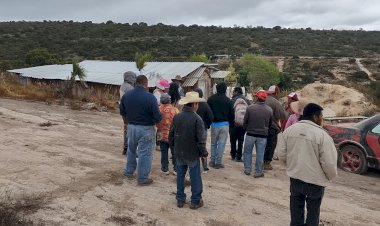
(318, 14)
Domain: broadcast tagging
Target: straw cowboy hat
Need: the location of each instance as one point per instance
(177, 78)
(191, 97)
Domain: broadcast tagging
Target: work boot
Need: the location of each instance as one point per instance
(257, 175)
(194, 206)
(180, 204)
(267, 165)
(146, 183)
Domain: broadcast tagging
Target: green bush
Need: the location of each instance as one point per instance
(358, 76)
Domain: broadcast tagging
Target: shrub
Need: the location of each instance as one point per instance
(352, 60)
(358, 76)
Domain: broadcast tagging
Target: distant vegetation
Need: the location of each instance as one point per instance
(114, 41)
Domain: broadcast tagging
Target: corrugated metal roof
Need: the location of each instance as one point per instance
(192, 78)
(219, 74)
(61, 72)
(111, 72)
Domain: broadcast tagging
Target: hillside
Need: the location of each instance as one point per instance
(114, 41)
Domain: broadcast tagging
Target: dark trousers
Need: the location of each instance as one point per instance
(236, 135)
(301, 192)
(271, 145)
(164, 147)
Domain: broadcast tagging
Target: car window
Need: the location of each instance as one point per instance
(376, 129)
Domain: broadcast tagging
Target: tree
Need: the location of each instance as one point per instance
(260, 71)
(141, 59)
(199, 58)
(231, 78)
(41, 56)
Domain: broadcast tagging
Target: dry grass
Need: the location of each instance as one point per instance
(9, 87)
(14, 212)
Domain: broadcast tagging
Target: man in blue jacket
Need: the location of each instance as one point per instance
(140, 109)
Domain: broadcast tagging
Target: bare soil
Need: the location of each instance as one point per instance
(64, 167)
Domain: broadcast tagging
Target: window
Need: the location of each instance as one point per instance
(376, 129)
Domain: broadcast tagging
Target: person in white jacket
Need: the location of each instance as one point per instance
(311, 160)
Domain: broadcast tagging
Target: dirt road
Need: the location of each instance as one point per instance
(69, 172)
(363, 68)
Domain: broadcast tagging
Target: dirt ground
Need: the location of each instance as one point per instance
(72, 169)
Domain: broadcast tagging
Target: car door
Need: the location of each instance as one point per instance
(373, 140)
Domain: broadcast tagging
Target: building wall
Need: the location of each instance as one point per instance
(81, 90)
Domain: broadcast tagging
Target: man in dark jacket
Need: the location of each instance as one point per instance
(205, 112)
(278, 114)
(257, 121)
(237, 132)
(187, 139)
(140, 109)
(238, 93)
(223, 110)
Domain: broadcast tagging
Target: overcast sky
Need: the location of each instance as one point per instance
(317, 14)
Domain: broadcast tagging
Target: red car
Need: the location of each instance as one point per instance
(358, 145)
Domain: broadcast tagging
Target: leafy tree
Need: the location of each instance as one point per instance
(231, 78)
(141, 59)
(41, 56)
(260, 71)
(286, 82)
(199, 58)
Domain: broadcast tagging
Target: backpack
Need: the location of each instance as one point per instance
(240, 107)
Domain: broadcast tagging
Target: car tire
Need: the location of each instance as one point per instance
(352, 159)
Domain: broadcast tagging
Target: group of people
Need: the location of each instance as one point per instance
(182, 120)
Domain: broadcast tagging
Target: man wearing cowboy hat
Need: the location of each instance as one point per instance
(188, 140)
(179, 81)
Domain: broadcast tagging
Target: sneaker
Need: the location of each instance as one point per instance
(239, 160)
(275, 157)
(267, 166)
(247, 172)
(146, 183)
(257, 175)
(233, 158)
(206, 169)
(219, 166)
(211, 164)
(164, 170)
(180, 204)
(194, 206)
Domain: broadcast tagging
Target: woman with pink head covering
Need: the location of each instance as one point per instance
(296, 107)
(161, 87)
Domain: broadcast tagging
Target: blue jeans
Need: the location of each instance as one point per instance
(142, 138)
(164, 147)
(260, 144)
(195, 178)
(218, 143)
